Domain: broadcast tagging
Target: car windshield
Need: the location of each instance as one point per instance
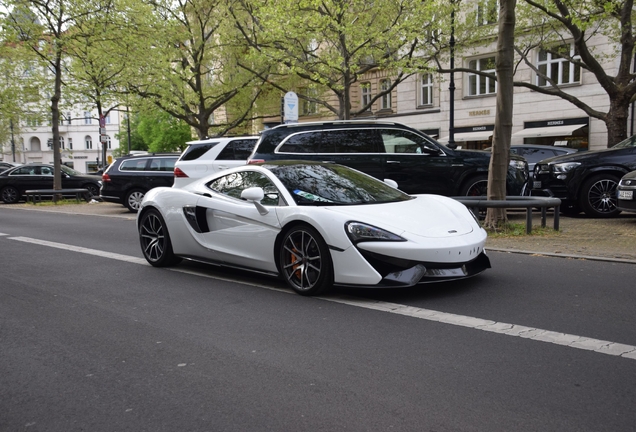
(629, 142)
(332, 184)
(69, 171)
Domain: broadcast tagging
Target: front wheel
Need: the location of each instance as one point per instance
(305, 262)
(598, 196)
(93, 191)
(155, 240)
(133, 200)
(476, 186)
(10, 195)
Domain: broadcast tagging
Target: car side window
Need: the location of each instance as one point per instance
(237, 150)
(162, 164)
(133, 165)
(333, 141)
(536, 155)
(400, 141)
(46, 171)
(24, 171)
(233, 184)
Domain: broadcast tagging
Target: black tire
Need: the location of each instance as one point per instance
(305, 262)
(475, 186)
(93, 191)
(597, 196)
(133, 199)
(10, 195)
(155, 240)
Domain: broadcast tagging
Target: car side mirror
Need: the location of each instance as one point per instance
(255, 195)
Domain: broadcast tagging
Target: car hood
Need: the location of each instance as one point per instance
(430, 216)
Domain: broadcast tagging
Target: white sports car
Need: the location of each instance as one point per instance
(315, 225)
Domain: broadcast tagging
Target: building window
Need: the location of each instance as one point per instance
(557, 67)
(487, 12)
(479, 85)
(87, 117)
(365, 89)
(89, 142)
(107, 119)
(426, 89)
(385, 85)
(70, 143)
(107, 141)
(68, 118)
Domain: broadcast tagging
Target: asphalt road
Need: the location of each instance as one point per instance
(93, 339)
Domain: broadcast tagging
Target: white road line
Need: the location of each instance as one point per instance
(83, 250)
(572, 341)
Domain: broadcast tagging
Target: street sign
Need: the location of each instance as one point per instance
(102, 130)
(102, 121)
(291, 107)
(103, 138)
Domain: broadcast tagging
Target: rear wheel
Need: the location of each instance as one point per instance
(10, 195)
(133, 200)
(305, 262)
(155, 240)
(598, 196)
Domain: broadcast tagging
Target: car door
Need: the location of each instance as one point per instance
(417, 165)
(160, 172)
(29, 177)
(236, 231)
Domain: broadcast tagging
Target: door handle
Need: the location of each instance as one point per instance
(392, 162)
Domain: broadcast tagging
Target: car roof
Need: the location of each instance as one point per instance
(209, 140)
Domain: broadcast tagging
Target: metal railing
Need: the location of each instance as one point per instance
(515, 202)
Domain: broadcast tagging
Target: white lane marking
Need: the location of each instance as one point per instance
(87, 251)
(572, 341)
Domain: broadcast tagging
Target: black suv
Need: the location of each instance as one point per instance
(586, 180)
(386, 150)
(127, 180)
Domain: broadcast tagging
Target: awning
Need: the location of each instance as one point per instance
(469, 136)
(563, 130)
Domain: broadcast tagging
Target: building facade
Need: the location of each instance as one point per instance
(81, 140)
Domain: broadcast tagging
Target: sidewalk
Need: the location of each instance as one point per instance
(580, 237)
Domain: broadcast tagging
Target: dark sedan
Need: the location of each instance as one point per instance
(15, 181)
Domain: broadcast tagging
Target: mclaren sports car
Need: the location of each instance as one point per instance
(315, 225)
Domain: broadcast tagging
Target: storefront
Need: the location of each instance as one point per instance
(472, 137)
(573, 133)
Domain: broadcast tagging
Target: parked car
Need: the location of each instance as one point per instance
(7, 165)
(212, 155)
(626, 191)
(15, 181)
(534, 153)
(586, 181)
(313, 224)
(385, 150)
(128, 178)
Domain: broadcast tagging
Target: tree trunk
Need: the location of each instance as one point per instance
(616, 121)
(503, 118)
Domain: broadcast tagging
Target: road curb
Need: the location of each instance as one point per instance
(561, 255)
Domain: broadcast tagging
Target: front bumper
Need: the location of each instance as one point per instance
(398, 273)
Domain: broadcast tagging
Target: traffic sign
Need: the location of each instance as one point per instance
(291, 107)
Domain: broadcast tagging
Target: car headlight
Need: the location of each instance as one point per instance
(518, 164)
(358, 231)
(565, 167)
